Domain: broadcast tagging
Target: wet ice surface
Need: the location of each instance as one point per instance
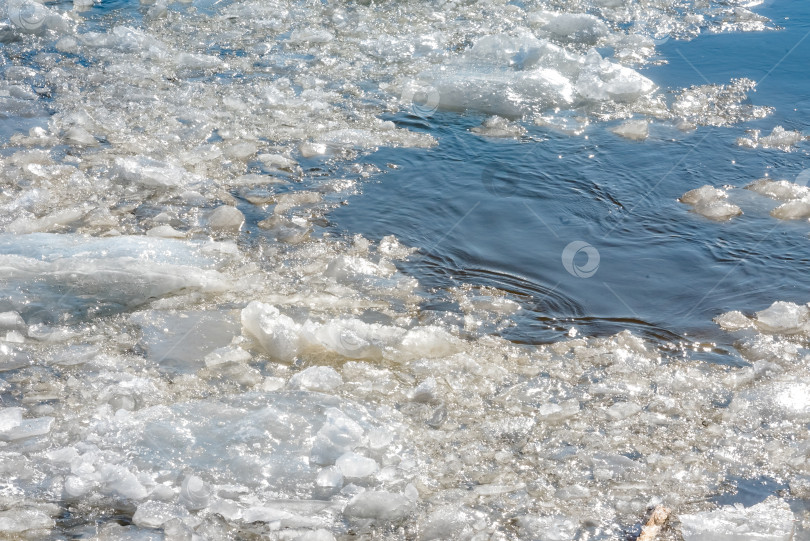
(188, 350)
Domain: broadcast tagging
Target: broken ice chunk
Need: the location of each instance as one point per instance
(166, 232)
(783, 318)
(309, 150)
(152, 514)
(316, 535)
(120, 481)
(704, 193)
(637, 130)
(708, 202)
(577, 28)
(11, 321)
(48, 277)
(227, 355)
(793, 210)
(733, 321)
(330, 477)
(277, 333)
(180, 340)
(338, 435)
(779, 138)
(17, 521)
(496, 126)
(353, 465)
(226, 218)
(781, 190)
(622, 410)
(151, 173)
(10, 418)
(771, 520)
(317, 378)
(13, 427)
(379, 505)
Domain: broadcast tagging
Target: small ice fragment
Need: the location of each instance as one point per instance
(227, 355)
(779, 138)
(771, 520)
(425, 392)
(272, 384)
(80, 137)
(226, 218)
(27, 428)
(277, 333)
(637, 130)
(781, 190)
(496, 126)
(783, 318)
(152, 514)
(703, 194)
(577, 28)
(429, 341)
(338, 435)
(496, 490)
(709, 202)
(228, 509)
(308, 150)
(76, 487)
(197, 61)
(10, 418)
(119, 480)
(547, 528)
(150, 173)
(378, 505)
(241, 151)
(15, 337)
(316, 535)
(793, 210)
(16, 521)
(330, 477)
(622, 410)
(379, 438)
(733, 321)
(162, 493)
(345, 268)
(276, 161)
(12, 321)
(317, 378)
(573, 492)
(166, 232)
(356, 466)
(391, 247)
(310, 35)
(717, 210)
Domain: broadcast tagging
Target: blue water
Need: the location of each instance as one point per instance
(663, 272)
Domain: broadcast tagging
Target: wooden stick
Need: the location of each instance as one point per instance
(658, 518)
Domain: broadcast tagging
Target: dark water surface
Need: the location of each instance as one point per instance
(500, 212)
